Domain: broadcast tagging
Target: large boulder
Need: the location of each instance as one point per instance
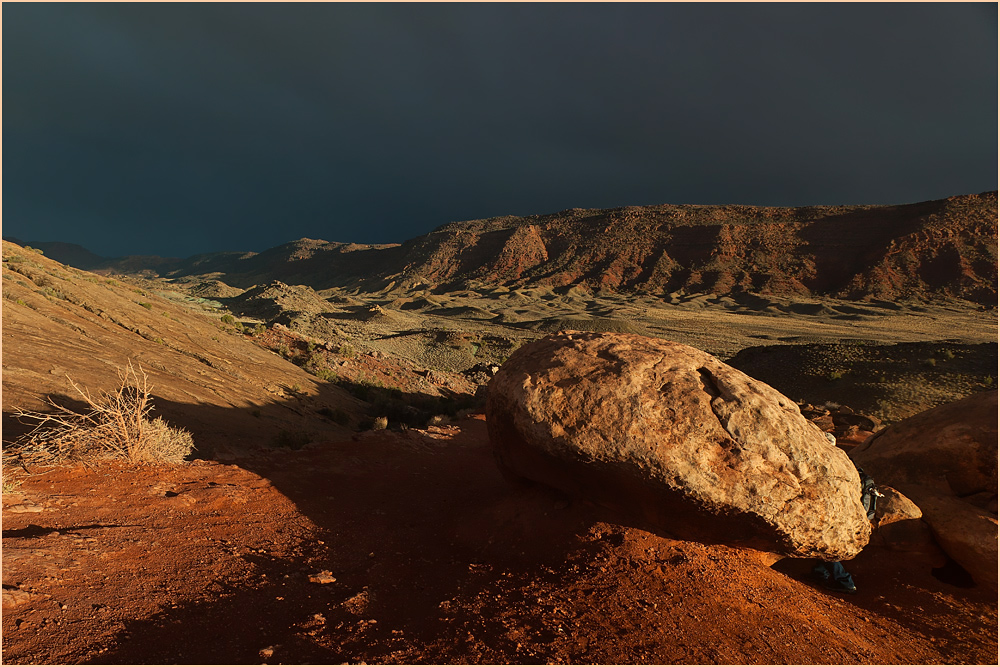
(673, 438)
(945, 461)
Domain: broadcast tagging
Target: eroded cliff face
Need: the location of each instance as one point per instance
(931, 249)
(943, 248)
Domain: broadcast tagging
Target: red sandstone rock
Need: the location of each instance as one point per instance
(673, 438)
(945, 461)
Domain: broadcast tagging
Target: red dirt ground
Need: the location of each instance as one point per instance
(409, 547)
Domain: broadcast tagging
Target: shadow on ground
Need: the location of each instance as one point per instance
(415, 530)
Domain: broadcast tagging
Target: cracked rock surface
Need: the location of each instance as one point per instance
(670, 438)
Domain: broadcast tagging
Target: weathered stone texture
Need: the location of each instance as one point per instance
(672, 437)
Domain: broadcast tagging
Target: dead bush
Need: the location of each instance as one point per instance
(116, 425)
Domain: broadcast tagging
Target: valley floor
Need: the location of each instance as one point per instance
(409, 547)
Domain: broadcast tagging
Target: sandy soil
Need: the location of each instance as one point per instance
(410, 548)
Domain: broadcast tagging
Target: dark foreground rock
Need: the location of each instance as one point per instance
(673, 438)
(945, 461)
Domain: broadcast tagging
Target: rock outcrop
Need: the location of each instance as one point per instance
(901, 529)
(673, 438)
(945, 461)
(942, 248)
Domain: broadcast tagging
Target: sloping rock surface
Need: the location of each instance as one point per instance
(670, 436)
(945, 461)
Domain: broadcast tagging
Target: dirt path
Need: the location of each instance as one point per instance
(410, 548)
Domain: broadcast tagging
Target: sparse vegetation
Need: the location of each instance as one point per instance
(292, 439)
(346, 350)
(326, 374)
(833, 376)
(52, 293)
(337, 416)
(146, 305)
(380, 424)
(989, 381)
(10, 485)
(930, 362)
(116, 424)
(228, 319)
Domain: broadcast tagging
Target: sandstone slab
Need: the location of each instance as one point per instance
(945, 461)
(671, 437)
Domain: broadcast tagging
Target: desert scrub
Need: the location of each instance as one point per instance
(228, 319)
(326, 374)
(337, 415)
(380, 424)
(10, 485)
(292, 439)
(115, 425)
(146, 305)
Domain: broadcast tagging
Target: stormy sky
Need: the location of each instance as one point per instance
(176, 129)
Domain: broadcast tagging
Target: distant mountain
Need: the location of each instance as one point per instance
(941, 248)
(64, 253)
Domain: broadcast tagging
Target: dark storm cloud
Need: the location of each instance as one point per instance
(182, 128)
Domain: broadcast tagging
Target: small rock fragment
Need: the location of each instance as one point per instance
(322, 577)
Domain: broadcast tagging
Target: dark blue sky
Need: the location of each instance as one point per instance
(175, 129)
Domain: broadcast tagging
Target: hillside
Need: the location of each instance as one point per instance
(923, 251)
(303, 533)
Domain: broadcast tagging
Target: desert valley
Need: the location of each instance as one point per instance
(342, 502)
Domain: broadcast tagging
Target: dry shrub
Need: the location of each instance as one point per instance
(116, 425)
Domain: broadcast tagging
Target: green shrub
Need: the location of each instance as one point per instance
(346, 350)
(147, 306)
(380, 424)
(930, 362)
(326, 374)
(228, 319)
(834, 375)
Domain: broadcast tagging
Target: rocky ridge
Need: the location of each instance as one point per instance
(928, 250)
